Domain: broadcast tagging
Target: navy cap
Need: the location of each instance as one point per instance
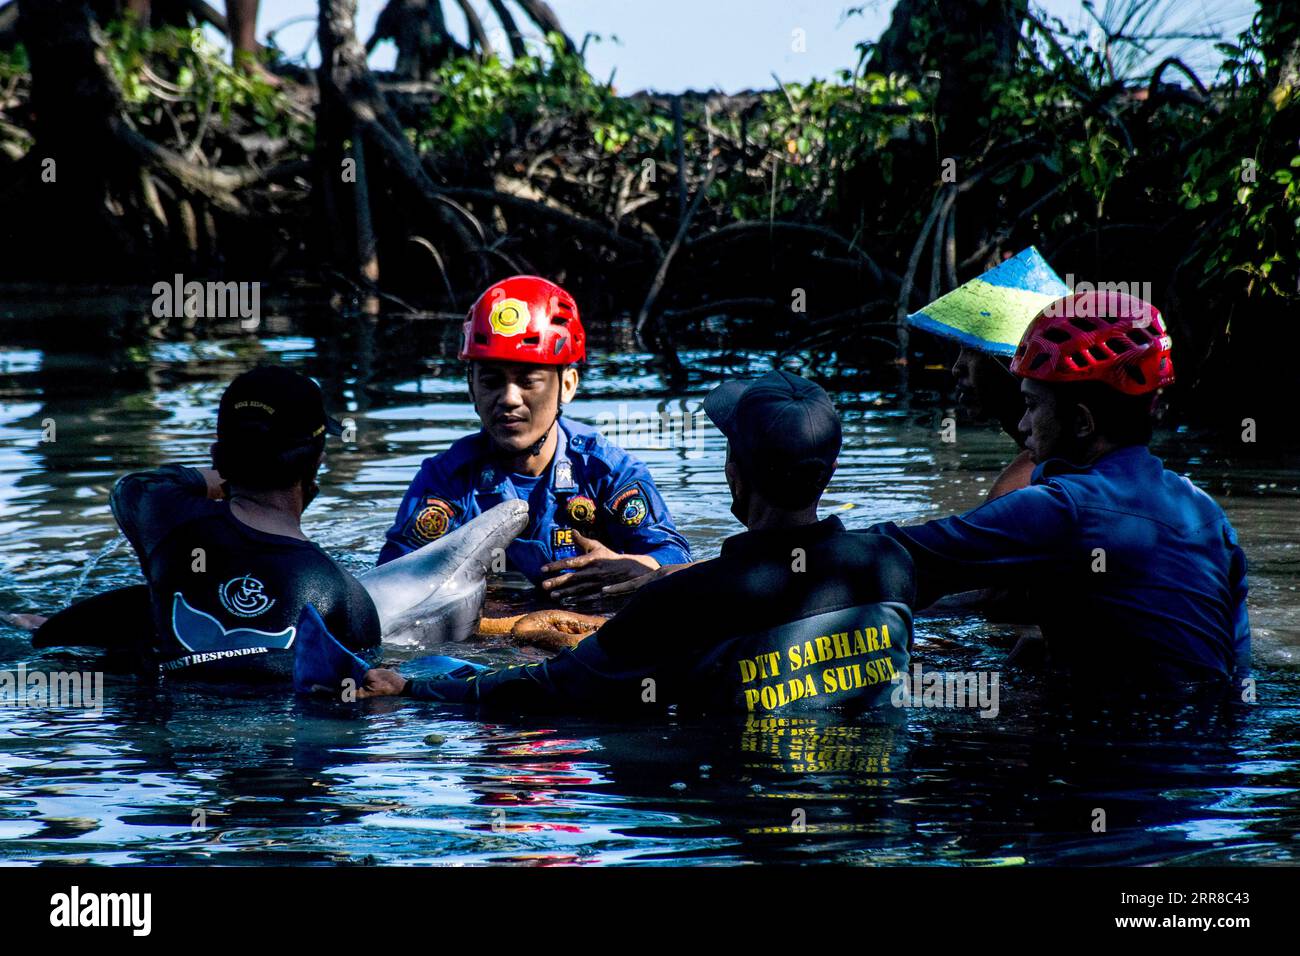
(275, 407)
(784, 432)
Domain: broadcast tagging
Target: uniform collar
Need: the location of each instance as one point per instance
(1124, 458)
(780, 539)
(560, 473)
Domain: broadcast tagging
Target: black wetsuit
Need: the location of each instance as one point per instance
(782, 621)
(228, 600)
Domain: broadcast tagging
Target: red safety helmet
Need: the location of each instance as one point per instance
(524, 319)
(1097, 337)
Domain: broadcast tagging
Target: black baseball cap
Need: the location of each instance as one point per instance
(274, 407)
(784, 432)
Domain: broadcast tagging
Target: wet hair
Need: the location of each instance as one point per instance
(1123, 419)
(249, 463)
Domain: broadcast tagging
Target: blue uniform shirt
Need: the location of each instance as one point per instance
(1130, 568)
(591, 486)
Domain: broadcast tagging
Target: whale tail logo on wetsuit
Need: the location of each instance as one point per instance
(200, 632)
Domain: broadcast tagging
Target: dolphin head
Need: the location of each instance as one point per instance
(435, 594)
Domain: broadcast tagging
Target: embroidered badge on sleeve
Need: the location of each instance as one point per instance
(629, 506)
(433, 520)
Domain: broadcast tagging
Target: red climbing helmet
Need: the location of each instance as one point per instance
(1097, 337)
(524, 319)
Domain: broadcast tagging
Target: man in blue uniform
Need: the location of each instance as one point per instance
(796, 614)
(1133, 573)
(595, 514)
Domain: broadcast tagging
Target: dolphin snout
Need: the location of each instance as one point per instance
(435, 592)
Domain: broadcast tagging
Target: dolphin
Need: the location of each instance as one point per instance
(434, 595)
(430, 596)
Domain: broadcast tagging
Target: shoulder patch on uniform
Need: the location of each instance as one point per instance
(433, 519)
(563, 473)
(629, 505)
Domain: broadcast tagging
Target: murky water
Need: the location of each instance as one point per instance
(189, 776)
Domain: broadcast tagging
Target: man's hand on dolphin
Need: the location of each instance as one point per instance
(597, 567)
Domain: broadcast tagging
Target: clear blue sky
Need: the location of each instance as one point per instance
(671, 45)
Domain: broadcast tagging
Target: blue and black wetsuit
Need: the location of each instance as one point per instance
(228, 601)
(783, 621)
(1134, 573)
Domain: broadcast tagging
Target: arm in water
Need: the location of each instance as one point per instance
(607, 670)
(998, 604)
(994, 545)
(587, 675)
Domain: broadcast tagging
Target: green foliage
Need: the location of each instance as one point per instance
(485, 103)
(179, 73)
(1230, 166)
(14, 64)
(1244, 175)
(803, 134)
(817, 131)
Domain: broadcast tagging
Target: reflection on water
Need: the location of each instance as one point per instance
(190, 775)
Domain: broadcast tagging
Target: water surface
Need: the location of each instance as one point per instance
(176, 775)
